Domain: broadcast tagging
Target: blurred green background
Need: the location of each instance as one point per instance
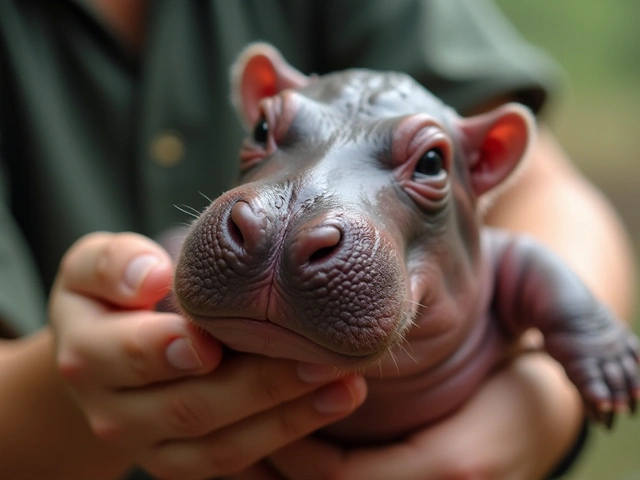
(597, 119)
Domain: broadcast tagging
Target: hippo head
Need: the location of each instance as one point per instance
(355, 218)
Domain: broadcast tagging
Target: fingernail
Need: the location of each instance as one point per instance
(138, 269)
(336, 398)
(181, 355)
(316, 373)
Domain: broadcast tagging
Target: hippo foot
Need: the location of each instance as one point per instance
(603, 364)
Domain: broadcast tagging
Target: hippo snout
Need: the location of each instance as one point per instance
(320, 283)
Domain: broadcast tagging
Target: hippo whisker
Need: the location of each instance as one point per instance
(418, 304)
(339, 371)
(205, 197)
(395, 361)
(404, 349)
(192, 212)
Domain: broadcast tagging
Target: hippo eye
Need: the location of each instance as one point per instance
(261, 131)
(430, 163)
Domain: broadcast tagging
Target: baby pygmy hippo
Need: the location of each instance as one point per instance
(354, 239)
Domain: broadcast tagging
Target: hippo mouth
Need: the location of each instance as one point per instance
(266, 338)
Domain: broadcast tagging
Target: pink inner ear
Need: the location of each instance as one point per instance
(259, 81)
(498, 142)
(261, 72)
(509, 134)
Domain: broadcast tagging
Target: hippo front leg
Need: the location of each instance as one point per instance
(534, 288)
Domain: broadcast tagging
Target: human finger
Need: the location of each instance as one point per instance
(125, 269)
(242, 386)
(131, 349)
(235, 448)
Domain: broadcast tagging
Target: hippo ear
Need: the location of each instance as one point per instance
(260, 72)
(496, 142)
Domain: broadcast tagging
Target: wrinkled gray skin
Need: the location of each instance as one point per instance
(333, 249)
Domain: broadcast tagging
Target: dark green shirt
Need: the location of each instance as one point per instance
(94, 137)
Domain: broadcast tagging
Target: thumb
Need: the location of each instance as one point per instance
(126, 270)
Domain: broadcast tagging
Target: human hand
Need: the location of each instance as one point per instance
(151, 384)
(518, 426)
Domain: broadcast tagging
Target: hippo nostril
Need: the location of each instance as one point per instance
(318, 243)
(244, 226)
(234, 231)
(320, 254)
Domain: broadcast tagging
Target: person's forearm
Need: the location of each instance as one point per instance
(555, 203)
(44, 434)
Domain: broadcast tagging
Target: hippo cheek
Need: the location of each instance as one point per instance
(342, 285)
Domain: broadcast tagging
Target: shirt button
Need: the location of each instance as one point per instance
(167, 148)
